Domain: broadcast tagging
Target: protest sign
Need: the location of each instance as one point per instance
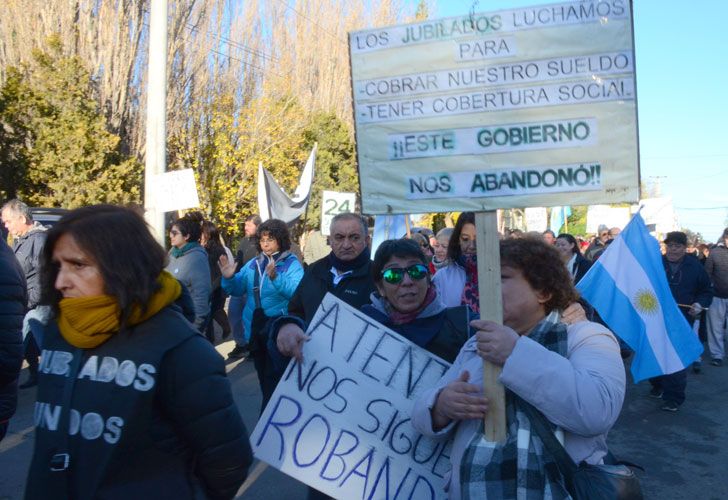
(340, 420)
(660, 213)
(332, 204)
(537, 219)
(175, 190)
(596, 215)
(506, 109)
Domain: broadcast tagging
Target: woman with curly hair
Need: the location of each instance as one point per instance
(573, 375)
(269, 281)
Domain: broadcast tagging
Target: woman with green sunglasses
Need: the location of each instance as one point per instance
(406, 301)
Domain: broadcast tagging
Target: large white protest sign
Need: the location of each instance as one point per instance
(660, 212)
(175, 190)
(596, 215)
(333, 204)
(340, 421)
(504, 109)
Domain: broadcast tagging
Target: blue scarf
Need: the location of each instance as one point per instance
(179, 252)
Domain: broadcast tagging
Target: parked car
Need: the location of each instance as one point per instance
(47, 216)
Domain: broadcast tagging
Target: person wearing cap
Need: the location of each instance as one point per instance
(691, 289)
(716, 266)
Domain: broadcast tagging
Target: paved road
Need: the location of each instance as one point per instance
(685, 454)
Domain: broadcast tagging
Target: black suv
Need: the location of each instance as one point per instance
(47, 216)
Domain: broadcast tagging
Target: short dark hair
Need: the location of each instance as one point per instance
(572, 240)
(118, 240)
(352, 216)
(276, 229)
(255, 218)
(403, 248)
(542, 267)
(453, 246)
(548, 231)
(190, 225)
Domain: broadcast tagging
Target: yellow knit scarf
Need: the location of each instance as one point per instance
(88, 322)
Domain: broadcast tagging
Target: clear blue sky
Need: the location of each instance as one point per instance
(682, 92)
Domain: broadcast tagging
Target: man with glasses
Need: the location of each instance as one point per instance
(599, 243)
(691, 289)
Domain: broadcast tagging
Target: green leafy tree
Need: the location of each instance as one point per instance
(335, 161)
(13, 157)
(59, 138)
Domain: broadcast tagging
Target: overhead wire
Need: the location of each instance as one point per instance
(234, 44)
(333, 35)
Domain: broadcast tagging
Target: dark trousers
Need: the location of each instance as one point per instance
(672, 386)
(217, 314)
(32, 351)
(266, 377)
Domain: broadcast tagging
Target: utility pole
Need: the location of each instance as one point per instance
(156, 147)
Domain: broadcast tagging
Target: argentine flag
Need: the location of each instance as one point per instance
(558, 217)
(628, 286)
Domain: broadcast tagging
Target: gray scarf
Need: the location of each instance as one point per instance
(519, 468)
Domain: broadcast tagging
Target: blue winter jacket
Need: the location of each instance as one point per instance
(274, 294)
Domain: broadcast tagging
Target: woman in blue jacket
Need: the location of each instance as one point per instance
(275, 273)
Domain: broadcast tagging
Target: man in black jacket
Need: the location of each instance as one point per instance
(691, 289)
(28, 241)
(13, 298)
(345, 272)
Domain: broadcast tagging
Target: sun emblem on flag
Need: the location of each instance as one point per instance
(645, 301)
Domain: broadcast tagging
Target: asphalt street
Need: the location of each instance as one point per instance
(684, 454)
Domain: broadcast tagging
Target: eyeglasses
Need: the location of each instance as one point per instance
(394, 275)
(173, 232)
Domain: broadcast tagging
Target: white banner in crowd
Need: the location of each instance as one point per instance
(504, 109)
(597, 215)
(176, 190)
(333, 204)
(537, 219)
(660, 213)
(340, 421)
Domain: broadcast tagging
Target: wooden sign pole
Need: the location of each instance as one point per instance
(491, 308)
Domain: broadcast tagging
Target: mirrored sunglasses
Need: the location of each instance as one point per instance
(394, 275)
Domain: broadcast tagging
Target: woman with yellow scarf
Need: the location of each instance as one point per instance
(132, 401)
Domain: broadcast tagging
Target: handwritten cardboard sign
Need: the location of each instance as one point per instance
(340, 422)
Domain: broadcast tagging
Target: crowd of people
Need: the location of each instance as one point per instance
(133, 399)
